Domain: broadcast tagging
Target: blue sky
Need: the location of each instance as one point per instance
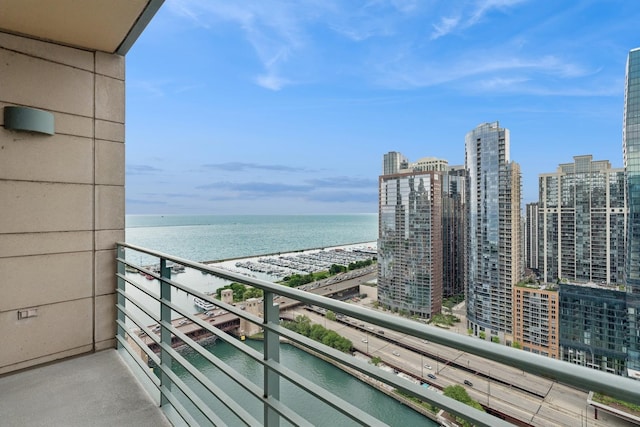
(275, 107)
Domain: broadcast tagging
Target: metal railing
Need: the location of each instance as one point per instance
(136, 337)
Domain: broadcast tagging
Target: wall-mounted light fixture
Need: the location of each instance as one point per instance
(28, 119)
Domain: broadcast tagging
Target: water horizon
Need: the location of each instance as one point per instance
(207, 238)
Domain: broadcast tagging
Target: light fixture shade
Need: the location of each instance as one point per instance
(28, 119)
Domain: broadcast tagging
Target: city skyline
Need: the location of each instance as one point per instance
(274, 108)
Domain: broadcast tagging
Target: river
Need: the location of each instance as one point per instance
(315, 370)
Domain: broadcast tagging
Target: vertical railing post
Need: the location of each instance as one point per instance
(165, 334)
(271, 352)
(121, 299)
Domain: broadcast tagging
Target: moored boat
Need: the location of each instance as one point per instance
(202, 304)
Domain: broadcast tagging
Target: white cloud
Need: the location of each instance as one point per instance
(271, 82)
(406, 6)
(274, 31)
(385, 48)
(501, 83)
(282, 33)
(156, 88)
(469, 15)
(482, 72)
(445, 26)
(484, 6)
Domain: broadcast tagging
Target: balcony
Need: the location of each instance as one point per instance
(98, 389)
(108, 388)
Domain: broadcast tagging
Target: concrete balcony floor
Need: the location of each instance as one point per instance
(98, 389)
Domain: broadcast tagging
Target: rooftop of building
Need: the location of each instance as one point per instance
(535, 284)
(607, 286)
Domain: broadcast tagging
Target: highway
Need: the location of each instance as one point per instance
(532, 400)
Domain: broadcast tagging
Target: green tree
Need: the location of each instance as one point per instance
(448, 304)
(330, 338)
(337, 268)
(321, 275)
(252, 293)
(317, 332)
(343, 344)
(495, 340)
(303, 325)
(516, 344)
(482, 335)
(375, 360)
(237, 288)
(457, 392)
(330, 315)
(460, 394)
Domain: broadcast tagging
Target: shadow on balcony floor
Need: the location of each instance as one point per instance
(93, 390)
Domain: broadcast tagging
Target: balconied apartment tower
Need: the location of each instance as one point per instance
(631, 155)
(582, 211)
(421, 246)
(410, 242)
(535, 319)
(494, 216)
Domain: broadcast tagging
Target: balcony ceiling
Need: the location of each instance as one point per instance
(97, 25)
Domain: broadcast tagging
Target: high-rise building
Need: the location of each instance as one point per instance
(392, 162)
(454, 223)
(410, 242)
(535, 319)
(593, 326)
(582, 213)
(421, 247)
(531, 237)
(430, 164)
(493, 207)
(631, 154)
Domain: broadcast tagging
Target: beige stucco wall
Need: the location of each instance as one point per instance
(61, 201)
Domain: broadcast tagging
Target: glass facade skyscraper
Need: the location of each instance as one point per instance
(593, 326)
(454, 223)
(494, 258)
(422, 229)
(631, 154)
(410, 243)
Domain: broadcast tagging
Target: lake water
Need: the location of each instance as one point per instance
(218, 237)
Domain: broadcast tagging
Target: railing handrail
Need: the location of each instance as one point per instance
(581, 377)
